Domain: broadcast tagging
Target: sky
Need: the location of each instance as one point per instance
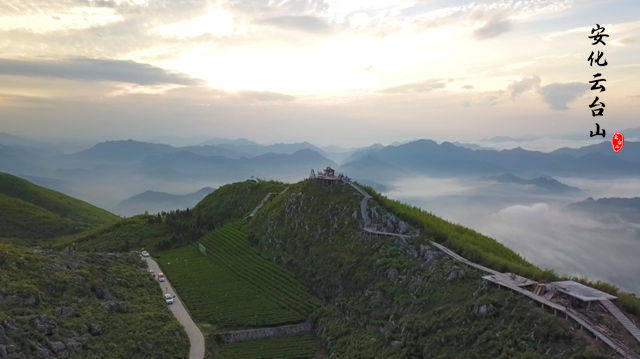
(333, 72)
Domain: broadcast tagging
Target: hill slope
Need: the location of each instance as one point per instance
(381, 296)
(398, 298)
(233, 201)
(30, 211)
(82, 305)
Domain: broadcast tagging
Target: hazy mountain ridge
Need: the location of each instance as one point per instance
(543, 182)
(154, 202)
(627, 209)
(428, 157)
(120, 169)
(124, 168)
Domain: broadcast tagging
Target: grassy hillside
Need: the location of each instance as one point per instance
(381, 297)
(232, 286)
(175, 228)
(152, 232)
(466, 242)
(83, 305)
(30, 211)
(233, 201)
(391, 298)
(487, 251)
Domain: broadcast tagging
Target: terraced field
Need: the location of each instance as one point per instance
(233, 286)
(301, 346)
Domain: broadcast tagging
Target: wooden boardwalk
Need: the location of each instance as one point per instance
(501, 279)
(623, 319)
(367, 221)
(497, 278)
(460, 258)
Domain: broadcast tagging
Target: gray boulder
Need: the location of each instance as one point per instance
(45, 325)
(115, 306)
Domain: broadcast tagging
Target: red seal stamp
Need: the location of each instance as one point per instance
(617, 141)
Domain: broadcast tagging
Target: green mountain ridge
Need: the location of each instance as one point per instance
(377, 296)
(33, 212)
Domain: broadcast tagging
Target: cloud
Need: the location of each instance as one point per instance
(301, 23)
(492, 29)
(517, 88)
(86, 69)
(424, 86)
(46, 18)
(264, 96)
(558, 95)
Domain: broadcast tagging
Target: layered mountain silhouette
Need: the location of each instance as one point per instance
(154, 202)
(125, 168)
(546, 183)
(426, 157)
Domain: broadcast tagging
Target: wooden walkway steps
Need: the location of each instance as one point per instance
(626, 322)
(569, 313)
(499, 279)
(502, 280)
(367, 221)
(460, 258)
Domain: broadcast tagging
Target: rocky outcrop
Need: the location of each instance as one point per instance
(115, 306)
(45, 325)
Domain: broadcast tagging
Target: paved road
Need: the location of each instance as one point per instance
(177, 308)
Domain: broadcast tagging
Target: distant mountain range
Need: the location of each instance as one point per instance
(613, 208)
(108, 172)
(154, 202)
(426, 157)
(545, 183)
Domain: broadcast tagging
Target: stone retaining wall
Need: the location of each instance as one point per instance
(261, 333)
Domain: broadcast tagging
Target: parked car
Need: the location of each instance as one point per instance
(169, 298)
(144, 254)
(160, 277)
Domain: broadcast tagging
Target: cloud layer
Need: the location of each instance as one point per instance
(384, 69)
(86, 69)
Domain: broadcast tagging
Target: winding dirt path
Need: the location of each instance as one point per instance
(196, 350)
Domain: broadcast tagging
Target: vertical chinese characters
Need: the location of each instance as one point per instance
(596, 58)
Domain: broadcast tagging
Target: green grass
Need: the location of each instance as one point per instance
(39, 283)
(386, 301)
(233, 201)
(232, 286)
(466, 242)
(295, 347)
(132, 233)
(20, 219)
(489, 252)
(30, 211)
